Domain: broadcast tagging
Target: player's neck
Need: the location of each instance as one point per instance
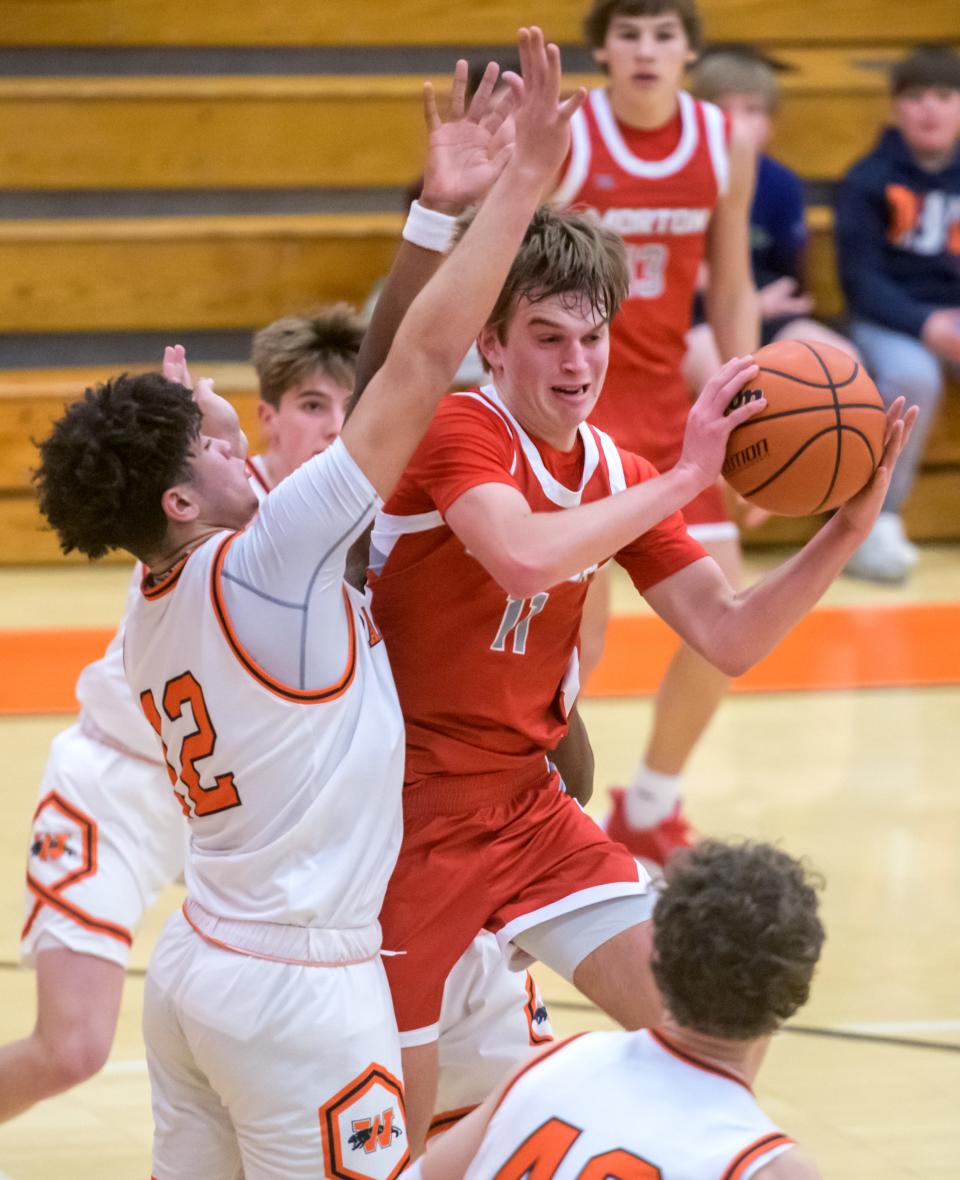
(274, 467)
(741, 1059)
(645, 112)
(176, 545)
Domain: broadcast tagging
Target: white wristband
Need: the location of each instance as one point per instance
(429, 229)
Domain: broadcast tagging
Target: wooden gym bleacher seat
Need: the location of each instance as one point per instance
(220, 183)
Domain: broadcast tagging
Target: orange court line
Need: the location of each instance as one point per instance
(833, 648)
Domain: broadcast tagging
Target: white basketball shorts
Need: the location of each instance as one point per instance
(268, 1070)
(106, 837)
(491, 1020)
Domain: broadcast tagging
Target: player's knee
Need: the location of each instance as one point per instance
(75, 1058)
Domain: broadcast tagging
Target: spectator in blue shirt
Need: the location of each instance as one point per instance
(898, 249)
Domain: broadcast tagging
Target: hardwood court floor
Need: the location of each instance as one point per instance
(863, 781)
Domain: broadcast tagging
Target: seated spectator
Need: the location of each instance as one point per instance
(898, 249)
(744, 84)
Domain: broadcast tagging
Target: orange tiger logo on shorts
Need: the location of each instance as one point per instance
(363, 1128)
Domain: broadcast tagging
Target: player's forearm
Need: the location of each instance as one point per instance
(756, 620)
(734, 316)
(543, 549)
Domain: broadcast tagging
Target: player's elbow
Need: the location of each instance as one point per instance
(521, 577)
(729, 658)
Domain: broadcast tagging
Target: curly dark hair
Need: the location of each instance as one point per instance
(736, 938)
(597, 21)
(109, 459)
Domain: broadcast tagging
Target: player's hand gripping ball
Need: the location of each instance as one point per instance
(819, 438)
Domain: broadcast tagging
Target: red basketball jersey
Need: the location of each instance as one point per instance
(661, 207)
(485, 680)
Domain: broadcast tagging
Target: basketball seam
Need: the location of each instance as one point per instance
(812, 410)
(812, 384)
(832, 482)
(796, 455)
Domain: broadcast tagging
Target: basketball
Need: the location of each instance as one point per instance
(819, 438)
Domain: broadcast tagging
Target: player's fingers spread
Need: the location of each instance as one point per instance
(481, 100)
(909, 421)
(430, 113)
(523, 51)
(458, 90)
(554, 71)
(747, 410)
(573, 104)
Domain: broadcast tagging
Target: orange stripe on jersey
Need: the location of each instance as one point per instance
(153, 588)
(254, 473)
(689, 1059)
(447, 1119)
(287, 692)
(28, 925)
(530, 1064)
(70, 910)
(740, 1163)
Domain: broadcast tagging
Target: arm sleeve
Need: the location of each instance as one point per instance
(283, 576)
(663, 550)
(467, 445)
(861, 228)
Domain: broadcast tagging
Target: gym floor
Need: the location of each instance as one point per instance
(841, 747)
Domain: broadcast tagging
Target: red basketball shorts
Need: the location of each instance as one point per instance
(506, 865)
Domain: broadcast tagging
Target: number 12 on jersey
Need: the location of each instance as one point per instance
(516, 623)
(196, 745)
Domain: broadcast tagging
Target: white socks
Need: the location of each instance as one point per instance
(651, 797)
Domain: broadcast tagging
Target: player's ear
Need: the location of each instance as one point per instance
(601, 57)
(266, 415)
(179, 505)
(489, 346)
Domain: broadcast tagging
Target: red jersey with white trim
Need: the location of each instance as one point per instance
(658, 190)
(626, 1104)
(486, 680)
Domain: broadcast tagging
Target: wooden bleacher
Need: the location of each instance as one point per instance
(244, 132)
(232, 132)
(134, 23)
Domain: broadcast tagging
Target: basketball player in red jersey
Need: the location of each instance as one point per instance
(670, 175)
(480, 563)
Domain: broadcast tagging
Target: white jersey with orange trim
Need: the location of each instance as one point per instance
(108, 710)
(631, 1104)
(292, 791)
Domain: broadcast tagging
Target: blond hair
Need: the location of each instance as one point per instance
(291, 348)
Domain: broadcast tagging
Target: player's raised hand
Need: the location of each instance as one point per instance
(542, 120)
(220, 419)
(861, 510)
(175, 365)
(467, 151)
(712, 420)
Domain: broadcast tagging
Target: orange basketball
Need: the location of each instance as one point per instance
(819, 438)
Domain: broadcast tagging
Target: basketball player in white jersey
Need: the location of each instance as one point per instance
(106, 837)
(271, 1043)
(673, 1102)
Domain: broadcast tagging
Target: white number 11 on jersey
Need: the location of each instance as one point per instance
(516, 621)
